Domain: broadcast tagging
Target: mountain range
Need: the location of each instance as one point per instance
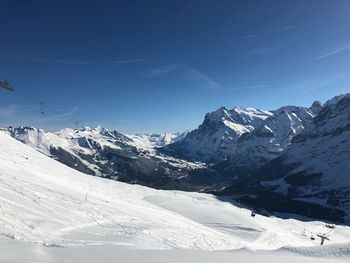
(290, 160)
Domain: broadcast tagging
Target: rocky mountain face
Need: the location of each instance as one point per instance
(216, 138)
(313, 169)
(269, 140)
(237, 142)
(294, 159)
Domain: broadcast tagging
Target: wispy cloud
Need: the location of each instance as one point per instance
(311, 85)
(332, 53)
(209, 82)
(191, 72)
(248, 36)
(199, 76)
(32, 111)
(163, 70)
(87, 62)
(126, 61)
(9, 111)
(18, 115)
(259, 51)
(284, 29)
(60, 116)
(248, 87)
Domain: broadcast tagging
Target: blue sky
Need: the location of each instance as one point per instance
(155, 66)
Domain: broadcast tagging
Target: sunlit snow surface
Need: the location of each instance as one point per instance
(49, 212)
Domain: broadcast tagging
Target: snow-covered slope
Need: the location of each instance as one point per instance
(216, 138)
(46, 202)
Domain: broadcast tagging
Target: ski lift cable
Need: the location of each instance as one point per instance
(6, 85)
(40, 102)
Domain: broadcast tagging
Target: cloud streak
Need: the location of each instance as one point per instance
(248, 36)
(31, 111)
(87, 62)
(199, 76)
(193, 73)
(9, 111)
(204, 78)
(284, 29)
(163, 70)
(311, 85)
(59, 116)
(247, 87)
(333, 52)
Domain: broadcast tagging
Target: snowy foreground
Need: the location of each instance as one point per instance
(52, 213)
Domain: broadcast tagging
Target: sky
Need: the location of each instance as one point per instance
(159, 66)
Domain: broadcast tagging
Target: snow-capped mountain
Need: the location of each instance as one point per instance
(244, 149)
(239, 141)
(266, 142)
(108, 154)
(154, 140)
(315, 167)
(216, 138)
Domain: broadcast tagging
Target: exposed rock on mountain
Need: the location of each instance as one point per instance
(216, 138)
(315, 168)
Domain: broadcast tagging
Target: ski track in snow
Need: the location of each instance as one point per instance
(43, 202)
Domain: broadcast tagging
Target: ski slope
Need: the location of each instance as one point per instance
(50, 205)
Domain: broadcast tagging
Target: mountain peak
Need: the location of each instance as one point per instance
(316, 107)
(220, 113)
(99, 129)
(336, 99)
